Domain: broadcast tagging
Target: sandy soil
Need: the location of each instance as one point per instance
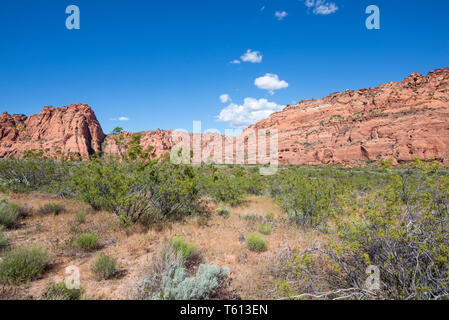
(134, 248)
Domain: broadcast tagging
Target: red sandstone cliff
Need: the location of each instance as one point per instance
(73, 129)
(397, 120)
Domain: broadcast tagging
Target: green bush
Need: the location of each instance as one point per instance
(269, 216)
(23, 175)
(22, 265)
(153, 190)
(307, 200)
(264, 229)
(229, 185)
(398, 228)
(51, 208)
(256, 243)
(183, 248)
(59, 291)
(87, 241)
(11, 214)
(104, 267)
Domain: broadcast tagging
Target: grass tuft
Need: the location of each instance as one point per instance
(51, 208)
(264, 229)
(59, 291)
(81, 217)
(11, 214)
(104, 267)
(182, 247)
(87, 241)
(256, 243)
(22, 265)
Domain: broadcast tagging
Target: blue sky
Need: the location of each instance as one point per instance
(164, 64)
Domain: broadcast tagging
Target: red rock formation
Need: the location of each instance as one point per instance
(73, 129)
(398, 120)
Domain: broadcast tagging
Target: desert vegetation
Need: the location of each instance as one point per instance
(222, 232)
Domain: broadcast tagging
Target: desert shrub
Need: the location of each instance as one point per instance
(22, 265)
(264, 229)
(87, 241)
(222, 211)
(4, 241)
(23, 175)
(11, 214)
(59, 291)
(229, 185)
(176, 285)
(306, 200)
(104, 267)
(182, 247)
(156, 190)
(269, 216)
(81, 217)
(401, 230)
(51, 208)
(169, 278)
(256, 243)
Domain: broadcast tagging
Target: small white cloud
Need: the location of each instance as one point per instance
(280, 14)
(235, 61)
(309, 3)
(252, 110)
(120, 119)
(225, 98)
(262, 9)
(321, 7)
(270, 82)
(252, 56)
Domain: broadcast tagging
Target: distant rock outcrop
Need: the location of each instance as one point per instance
(71, 129)
(160, 140)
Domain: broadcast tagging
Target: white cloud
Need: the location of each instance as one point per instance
(235, 61)
(262, 9)
(252, 56)
(120, 119)
(321, 6)
(309, 3)
(252, 110)
(270, 82)
(225, 98)
(280, 14)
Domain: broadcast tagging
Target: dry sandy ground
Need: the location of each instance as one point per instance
(134, 248)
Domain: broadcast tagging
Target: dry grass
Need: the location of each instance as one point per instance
(134, 248)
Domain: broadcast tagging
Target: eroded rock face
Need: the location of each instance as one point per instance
(398, 120)
(70, 129)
